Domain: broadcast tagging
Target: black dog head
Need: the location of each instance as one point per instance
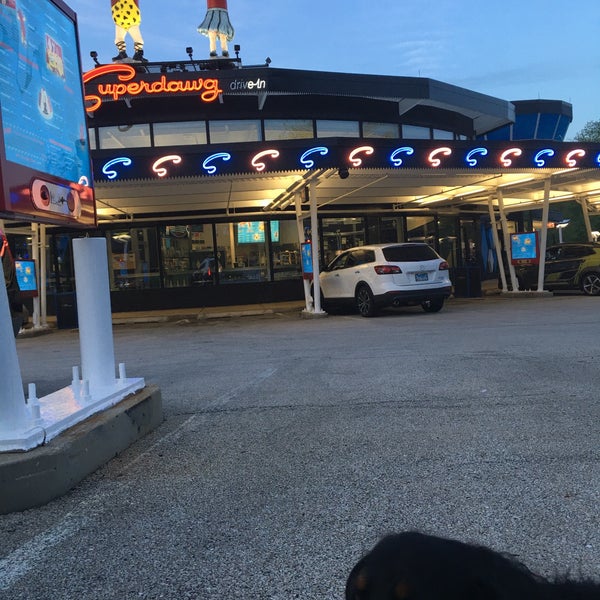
(414, 566)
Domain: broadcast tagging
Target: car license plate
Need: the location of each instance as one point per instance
(421, 277)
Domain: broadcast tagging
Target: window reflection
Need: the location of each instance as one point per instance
(288, 129)
(133, 259)
(124, 136)
(234, 131)
(185, 133)
(331, 128)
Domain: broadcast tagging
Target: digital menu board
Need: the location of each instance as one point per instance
(45, 167)
(252, 232)
(524, 248)
(26, 277)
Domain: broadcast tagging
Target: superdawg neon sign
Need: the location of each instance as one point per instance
(127, 86)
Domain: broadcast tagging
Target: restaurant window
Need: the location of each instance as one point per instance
(222, 132)
(185, 133)
(124, 136)
(421, 229)
(287, 263)
(331, 128)
(447, 239)
(133, 259)
(391, 230)
(381, 130)
(288, 129)
(92, 138)
(414, 132)
(188, 255)
(341, 234)
(442, 134)
(243, 250)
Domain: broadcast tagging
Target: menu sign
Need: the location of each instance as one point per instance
(45, 167)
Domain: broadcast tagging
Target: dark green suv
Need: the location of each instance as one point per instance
(569, 266)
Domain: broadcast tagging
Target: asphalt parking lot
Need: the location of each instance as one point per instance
(290, 446)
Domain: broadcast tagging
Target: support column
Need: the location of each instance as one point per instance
(301, 240)
(586, 218)
(93, 311)
(314, 228)
(506, 237)
(35, 255)
(497, 244)
(42, 283)
(544, 234)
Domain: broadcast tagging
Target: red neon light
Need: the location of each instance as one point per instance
(208, 88)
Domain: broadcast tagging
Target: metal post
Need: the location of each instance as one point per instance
(497, 244)
(94, 313)
(314, 228)
(544, 234)
(506, 236)
(35, 254)
(42, 278)
(301, 240)
(586, 218)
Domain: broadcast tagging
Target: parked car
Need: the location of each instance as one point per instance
(569, 266)
(373, 277)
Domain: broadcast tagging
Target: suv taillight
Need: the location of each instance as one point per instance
(444, 266)
(387, 269)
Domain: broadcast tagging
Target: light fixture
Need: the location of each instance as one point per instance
(94, 56)
(236, 49)
(267, 61)
(343, 173)
(190, 52)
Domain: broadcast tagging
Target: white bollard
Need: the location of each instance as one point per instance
(94, 314)
(34, 404)
(17, 431)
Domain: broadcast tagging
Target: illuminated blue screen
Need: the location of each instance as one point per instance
(253, 232)
(25, 270)
(523, 246)
(43, 118)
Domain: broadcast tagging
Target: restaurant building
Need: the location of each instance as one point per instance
(203, 171)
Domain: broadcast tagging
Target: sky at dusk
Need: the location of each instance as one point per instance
(514, 50)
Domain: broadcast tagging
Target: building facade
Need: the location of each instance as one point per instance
(197, 210)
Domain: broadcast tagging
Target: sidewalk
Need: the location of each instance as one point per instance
(489, 288)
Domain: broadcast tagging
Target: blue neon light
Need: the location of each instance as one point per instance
(211, 169)
(396, 161)
(309, 164)
(111, 174)
(472, 162)
(541, 162)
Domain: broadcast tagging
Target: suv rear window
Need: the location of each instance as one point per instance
(409, 253)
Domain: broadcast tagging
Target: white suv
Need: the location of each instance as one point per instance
(379, 275)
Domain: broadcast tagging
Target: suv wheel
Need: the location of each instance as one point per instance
(590, 284)
(365, 302)
(433, 306)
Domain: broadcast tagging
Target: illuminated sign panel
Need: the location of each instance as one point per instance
(45, 167)
(294, 155)
(524, 248)
(26, 277)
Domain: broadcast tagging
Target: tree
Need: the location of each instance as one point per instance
(589, 133)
